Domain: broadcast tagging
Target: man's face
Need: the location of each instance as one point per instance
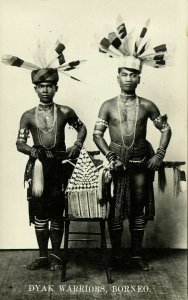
(46, 91)
(128, 80)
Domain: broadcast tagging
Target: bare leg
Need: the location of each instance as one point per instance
(56, 235)
(42, 235)
(137, 219)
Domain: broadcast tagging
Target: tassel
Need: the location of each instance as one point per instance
(162, 179)
(183, 185)
(100, 185)
(177, 189)
(38, 179)
(18, 62)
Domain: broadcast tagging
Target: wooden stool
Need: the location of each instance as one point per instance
(102, 244)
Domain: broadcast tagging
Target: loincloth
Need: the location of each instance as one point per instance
(136, 157)
(51, 203)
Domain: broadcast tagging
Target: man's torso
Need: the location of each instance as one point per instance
(118, 125)
(45, 129)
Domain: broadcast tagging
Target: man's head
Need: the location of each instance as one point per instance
(128, 79)
(45, 81)
(46, 91)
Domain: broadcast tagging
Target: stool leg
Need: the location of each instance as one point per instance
(104, 250)
(103, 234)
(66, 241)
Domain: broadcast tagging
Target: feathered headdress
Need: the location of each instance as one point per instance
(131, 54)
(45, 70)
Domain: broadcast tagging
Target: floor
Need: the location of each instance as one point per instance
(86, 278)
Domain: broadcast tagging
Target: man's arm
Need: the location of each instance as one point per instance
(98, 137)
(79, 126)
(100, 128)
(160, 122)
(23, 135)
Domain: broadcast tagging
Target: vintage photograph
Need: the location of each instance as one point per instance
(93, 104)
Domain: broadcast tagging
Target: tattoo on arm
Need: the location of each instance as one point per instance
(161, 123)
(77, 125)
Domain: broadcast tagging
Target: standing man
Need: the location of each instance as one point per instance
(131, 156)
(45, 173)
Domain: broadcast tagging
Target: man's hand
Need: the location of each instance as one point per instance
(154, 163)
(118, 167)
(49, 154)
(37, 153)
(73, 152)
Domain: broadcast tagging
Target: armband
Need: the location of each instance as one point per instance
(98, 132)
(161, 123)
(102, 122)
(23, 135)
(160, 152)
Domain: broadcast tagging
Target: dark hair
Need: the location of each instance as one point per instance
(129, 69)
(50, 82)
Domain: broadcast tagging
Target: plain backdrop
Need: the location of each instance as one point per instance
(77, 23)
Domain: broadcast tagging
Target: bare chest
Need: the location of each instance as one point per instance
(47, 119)
(127, 115)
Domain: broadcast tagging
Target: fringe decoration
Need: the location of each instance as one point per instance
(100, 184)
(38, 179)
(162, 179)
(177, 178)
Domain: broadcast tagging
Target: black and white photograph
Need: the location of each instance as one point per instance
(93, 152)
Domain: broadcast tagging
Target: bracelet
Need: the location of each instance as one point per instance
(33, 152)
(111, 156)
(78, 144)
(160, 152)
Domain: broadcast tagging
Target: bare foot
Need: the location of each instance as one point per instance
(39, 263)
(140, 264)
(56, 263)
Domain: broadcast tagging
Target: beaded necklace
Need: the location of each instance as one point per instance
(50, 128)
(129, 118)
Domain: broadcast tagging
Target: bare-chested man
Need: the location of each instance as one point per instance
(46, 123)
(132, 159)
